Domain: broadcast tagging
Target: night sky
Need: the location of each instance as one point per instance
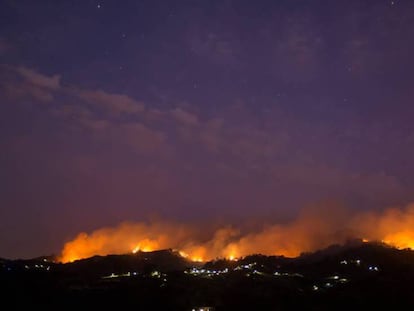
(199, 111)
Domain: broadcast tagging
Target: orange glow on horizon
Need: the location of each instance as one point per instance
(312, 230)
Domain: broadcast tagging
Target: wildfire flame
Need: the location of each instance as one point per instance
(312, 230)
(146, 245)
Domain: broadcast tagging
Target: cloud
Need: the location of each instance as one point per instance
(210, 136)
(142, 139)
(210, 140)
(114, 104)
(137, 137)
(134, 134)
(250, 148)
(86, 113)
(39, 80)
(94, 124)
(19, 83)
(185, 117)
(72, 111)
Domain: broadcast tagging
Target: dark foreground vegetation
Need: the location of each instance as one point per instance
(357, 276)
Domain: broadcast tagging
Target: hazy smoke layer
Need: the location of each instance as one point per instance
(313, 229)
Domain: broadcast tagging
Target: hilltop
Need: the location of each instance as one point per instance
(355, 275)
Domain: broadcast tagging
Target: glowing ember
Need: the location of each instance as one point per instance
(400, 240)
(312, 230)
(145, 246)
(192, 258)
(197, 259)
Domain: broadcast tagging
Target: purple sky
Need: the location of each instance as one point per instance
(221, 111)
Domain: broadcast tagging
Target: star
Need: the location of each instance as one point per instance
(98, 6)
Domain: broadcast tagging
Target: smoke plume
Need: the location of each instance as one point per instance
(313, 229)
